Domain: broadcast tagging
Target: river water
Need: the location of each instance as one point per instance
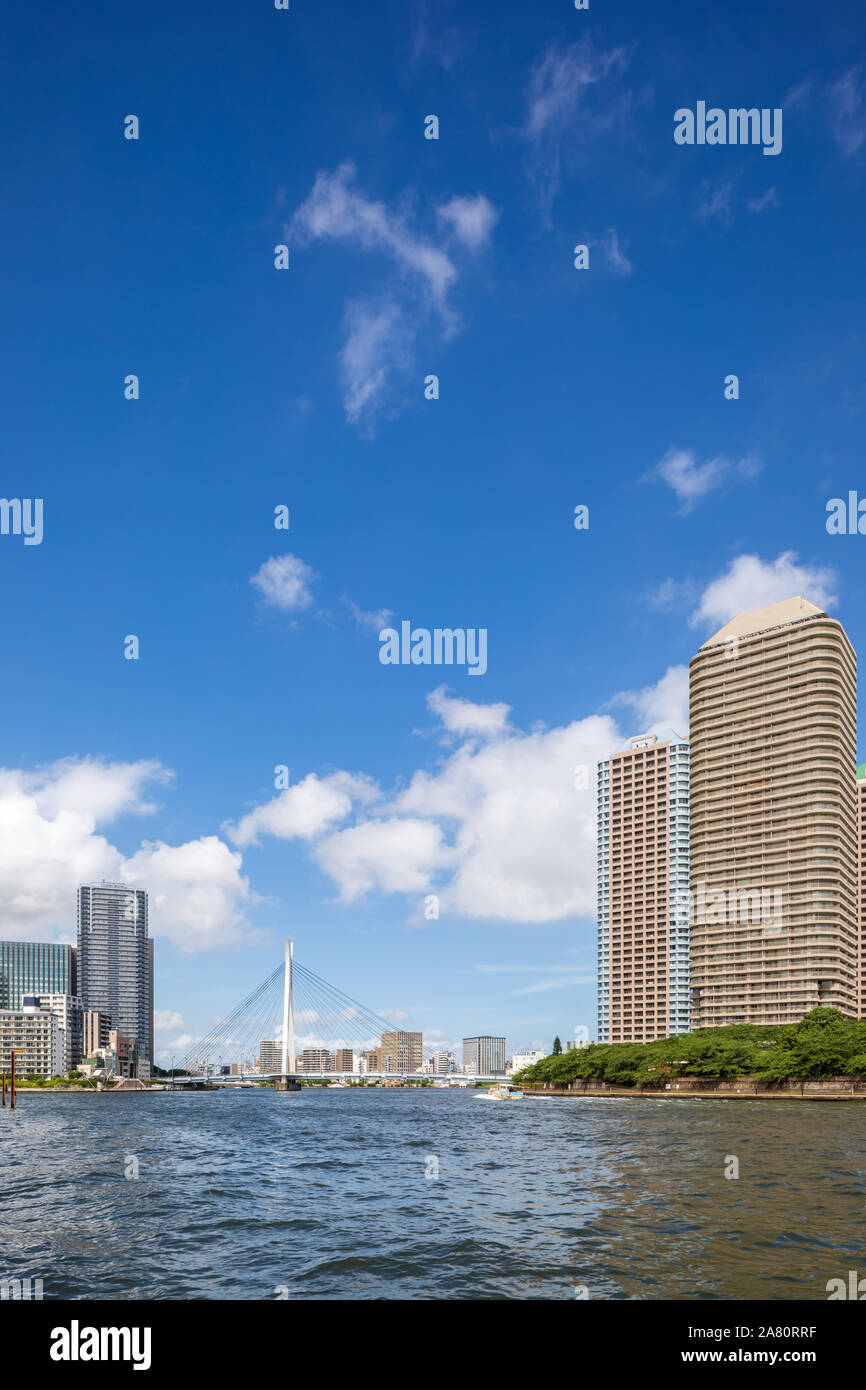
(363, 1194)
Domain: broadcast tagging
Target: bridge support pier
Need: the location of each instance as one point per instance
(287, 1083)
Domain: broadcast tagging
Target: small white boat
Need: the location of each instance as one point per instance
(505, 1091)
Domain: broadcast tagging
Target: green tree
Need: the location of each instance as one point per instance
(557, 1047)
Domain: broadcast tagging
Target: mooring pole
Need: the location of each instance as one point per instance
(288, 1057)
(4, 1088)
(12, 1080)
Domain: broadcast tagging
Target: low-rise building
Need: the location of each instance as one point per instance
(95, 1028)
(34, 1034)
(521, 1060)
(316, 1060)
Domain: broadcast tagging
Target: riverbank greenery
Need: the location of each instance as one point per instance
(824, 1043)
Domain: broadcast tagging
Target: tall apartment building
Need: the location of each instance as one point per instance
(861, 884)
(775, 928)
(344, 1059)
(643, 890)
(400, 1051)
(484, 1055)
(114, 961)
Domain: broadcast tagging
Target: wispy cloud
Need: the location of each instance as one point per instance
(847, 112)
(716, 202)
(336, 211)
(421, 273)
(375, 619)
(692, 480)
(766, 200)
(432, 38)
(577, 85)
(541, 986)
(614, 254)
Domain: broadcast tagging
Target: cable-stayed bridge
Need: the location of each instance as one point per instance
(297, 1010)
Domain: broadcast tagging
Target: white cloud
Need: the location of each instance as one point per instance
(664, 705)
(304, 810)
(284, 581)
(750, 582)
(166, 1020)
(97, 789)
(50, 843)
(465, 717)
(197, 893)
(502, 829)
(691, 480)
(397, 855)
(472, 219)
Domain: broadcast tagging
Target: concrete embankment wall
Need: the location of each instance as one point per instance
(731, 1088)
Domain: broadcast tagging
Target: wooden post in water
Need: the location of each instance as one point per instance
(4, 1088)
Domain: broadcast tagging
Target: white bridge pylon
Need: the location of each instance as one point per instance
(288, 1058)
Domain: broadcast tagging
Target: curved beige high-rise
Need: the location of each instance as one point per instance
(774, 865)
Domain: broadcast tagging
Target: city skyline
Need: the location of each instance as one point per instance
(304, 389)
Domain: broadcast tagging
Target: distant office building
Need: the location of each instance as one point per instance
(95, 1029)
(35, 967)
(773, 711)
(484, 1056)
(344, 1059)
(443, 1062)
(115, 963)
(121, 1055)
(35, 1036)
(400, 1051)
(270, 1056)
(371, 1061)
(316, 1060)
(643, 890)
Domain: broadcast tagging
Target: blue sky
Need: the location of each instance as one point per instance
(305, 387)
